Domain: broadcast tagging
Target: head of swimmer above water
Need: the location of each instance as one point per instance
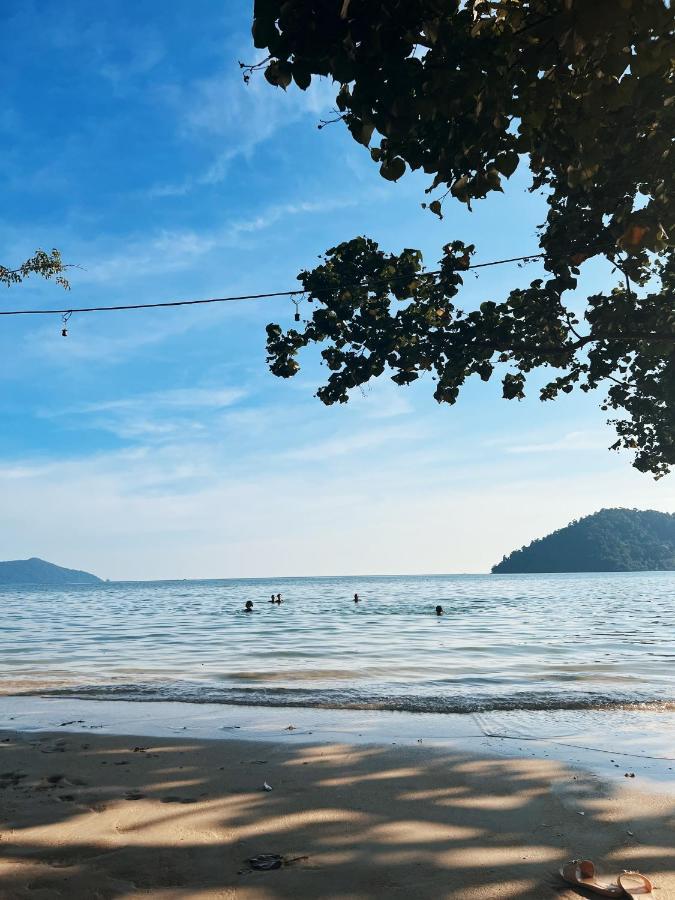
(249, 606)
(439, 610)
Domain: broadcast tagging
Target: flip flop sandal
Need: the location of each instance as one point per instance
(635, 885)
(581, 873)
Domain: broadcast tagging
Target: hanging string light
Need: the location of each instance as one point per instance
(65, 317)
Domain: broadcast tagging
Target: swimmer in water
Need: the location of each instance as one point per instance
(249, 606)
(439, 610)
(356, 598)
(272, 600)
(279, 600)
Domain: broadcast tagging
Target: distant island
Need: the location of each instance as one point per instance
(38, 571)
(612, 540)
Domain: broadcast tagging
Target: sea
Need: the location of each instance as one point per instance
(504, 642)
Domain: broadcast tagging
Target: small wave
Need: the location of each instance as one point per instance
(192, 692)
(292, 674)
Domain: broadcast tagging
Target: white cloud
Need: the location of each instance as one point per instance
(14, 472)
(107, 47)
(574, 440)
(350, 443)
(223, 110)
(171, 251)
(156, 417)
(186, 510)
(88, 343)
(179, 398)
(382, 400)
(143, 51)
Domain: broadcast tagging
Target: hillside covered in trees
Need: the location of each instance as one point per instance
(611, 540)
(39, 571)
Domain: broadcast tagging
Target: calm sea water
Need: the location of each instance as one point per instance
(505, 642)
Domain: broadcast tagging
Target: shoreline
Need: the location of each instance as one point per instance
(337, 698)
(610, 744)
(87, 814)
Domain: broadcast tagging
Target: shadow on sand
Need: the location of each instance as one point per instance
(95, 817)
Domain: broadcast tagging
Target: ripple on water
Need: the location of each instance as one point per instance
(505, 642)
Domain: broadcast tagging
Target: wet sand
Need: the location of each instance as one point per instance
(86, 816)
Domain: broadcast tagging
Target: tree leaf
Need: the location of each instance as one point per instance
(507, 163)
(392, 169)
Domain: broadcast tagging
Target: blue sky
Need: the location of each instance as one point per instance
(156, 444)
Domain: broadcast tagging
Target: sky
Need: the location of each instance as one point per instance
(157, 444)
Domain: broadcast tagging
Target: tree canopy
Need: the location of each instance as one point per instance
(611, 540)
(582, 93)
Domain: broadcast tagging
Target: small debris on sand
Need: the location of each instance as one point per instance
(265, 862)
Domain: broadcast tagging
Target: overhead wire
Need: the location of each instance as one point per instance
(263, 296)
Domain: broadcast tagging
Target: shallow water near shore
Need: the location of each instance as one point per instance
(509, 642)
(632, 749)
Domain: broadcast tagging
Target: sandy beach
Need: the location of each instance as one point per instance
(88, 816)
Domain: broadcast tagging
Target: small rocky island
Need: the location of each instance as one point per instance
(611, 540)
(38, 571)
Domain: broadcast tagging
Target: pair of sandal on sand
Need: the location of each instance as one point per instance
(581, 873)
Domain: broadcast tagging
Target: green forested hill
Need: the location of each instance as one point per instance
(612, 540)
(38, 571)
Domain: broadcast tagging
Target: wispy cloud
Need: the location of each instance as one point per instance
(154, 417)
(574, 440)
(181, 510)
(16, 472)
(107, 47)
(86, 343)
(143, 51)
(178, 399)
(345, 444)
(382, 400)
(224, 110)
(170, 251)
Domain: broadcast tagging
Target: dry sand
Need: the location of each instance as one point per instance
(87, 816)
